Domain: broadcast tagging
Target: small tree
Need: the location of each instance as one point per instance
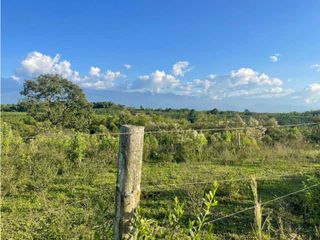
(192, 116)
(58, 100)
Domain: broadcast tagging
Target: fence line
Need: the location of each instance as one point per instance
(214, 162)
(219, 129)
(148, 185)
(230, 128)
(129, 172)
(243, 179)
(265, 203)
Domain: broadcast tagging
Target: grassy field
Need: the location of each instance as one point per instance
(79, 203)
(234, 192)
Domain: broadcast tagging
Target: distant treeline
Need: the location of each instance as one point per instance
(191, 115)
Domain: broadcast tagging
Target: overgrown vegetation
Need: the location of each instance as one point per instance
(58, 180)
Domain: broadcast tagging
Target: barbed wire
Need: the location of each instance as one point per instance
(264, 203)
(218, 129)
(154, 185)
(230, 128)
(243, 179)
(215, 162)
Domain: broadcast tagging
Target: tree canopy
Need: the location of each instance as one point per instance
(58, 100)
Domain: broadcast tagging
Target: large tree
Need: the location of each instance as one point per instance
(54, 98)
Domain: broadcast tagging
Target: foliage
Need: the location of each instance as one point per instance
(53, 98)
(176, 227)
(309, 202)
(77, 148)
(7, 138)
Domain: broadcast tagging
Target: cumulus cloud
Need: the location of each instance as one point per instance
(127, 66)
(158, 82)
(316, 67)
(180, 68)
(94, 71)
(314, 87)
(97, 80)
(246, 83)
(313, 93)
(37, 63)
(15, 78)
(274, 57)
(244, 76)
(242, 82)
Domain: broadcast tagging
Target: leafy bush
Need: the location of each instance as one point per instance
(197, 227)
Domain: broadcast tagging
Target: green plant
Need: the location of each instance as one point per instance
(77, 147)
(194, 229)
(146, 229)
(209, 201)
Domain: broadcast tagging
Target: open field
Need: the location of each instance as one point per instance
(58, 183)
(50, 191)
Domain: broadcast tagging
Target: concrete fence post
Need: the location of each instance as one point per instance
(128, 180)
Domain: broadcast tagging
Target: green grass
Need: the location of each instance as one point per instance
(81, 201)
(233, 195)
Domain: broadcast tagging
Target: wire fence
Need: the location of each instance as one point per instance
(217, 129)
(264, 203)
(221, 129)
(242, 179)
(149, 185)
(157, 185)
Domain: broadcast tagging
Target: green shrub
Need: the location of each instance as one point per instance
(77, 148)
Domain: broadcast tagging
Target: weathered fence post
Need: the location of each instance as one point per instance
(128, 181)
(239, 139)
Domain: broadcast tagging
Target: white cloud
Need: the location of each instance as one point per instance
(158, 81)
(245, 76)
(94, 71)
(96, 85)
(314, 87)
(180, 68)
(127, 66)
(144, 77)
(97, 80)
(246, 83)
(243, 82)
(15, 78)
(274, 57)
(316, 67)
(111, 76)
(37, 63)
(313, 93)
(211, 76)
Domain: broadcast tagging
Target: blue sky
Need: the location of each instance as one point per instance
(261, 55)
